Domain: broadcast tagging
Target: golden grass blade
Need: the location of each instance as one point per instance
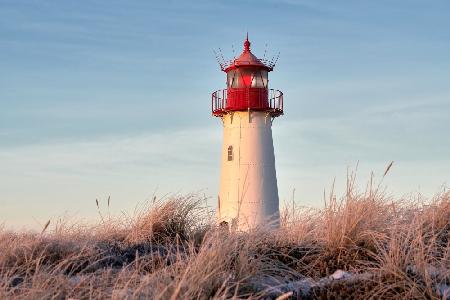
(388, 168)
(45, 227)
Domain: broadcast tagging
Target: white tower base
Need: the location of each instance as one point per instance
(248, 194)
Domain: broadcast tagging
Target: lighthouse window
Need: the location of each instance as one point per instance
(259, 79)
(230, 153)
(233, 78)
(247, 77)
(264, 78)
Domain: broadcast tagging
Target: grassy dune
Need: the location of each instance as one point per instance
(364, 245)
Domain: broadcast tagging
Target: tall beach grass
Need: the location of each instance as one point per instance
(385, 248)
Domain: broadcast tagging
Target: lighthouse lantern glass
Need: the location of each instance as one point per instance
(259, 79)
(247, 77)
(232, 79)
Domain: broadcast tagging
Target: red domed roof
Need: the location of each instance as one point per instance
(247, 59)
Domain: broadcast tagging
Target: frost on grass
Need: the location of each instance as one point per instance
(364, 245)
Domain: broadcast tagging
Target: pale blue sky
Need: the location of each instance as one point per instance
(103, 98)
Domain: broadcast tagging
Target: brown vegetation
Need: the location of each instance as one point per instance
(387, 249)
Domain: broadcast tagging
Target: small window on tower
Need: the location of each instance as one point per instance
(230, 153)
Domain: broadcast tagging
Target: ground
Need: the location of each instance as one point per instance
(364, 245)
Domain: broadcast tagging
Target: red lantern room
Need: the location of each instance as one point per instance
(247, 86)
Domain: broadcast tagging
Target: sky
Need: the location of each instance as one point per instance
(113, 98)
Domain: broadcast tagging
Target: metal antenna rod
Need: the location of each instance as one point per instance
(278, 56)
(221, 55)
(265, 51)
(218, 60)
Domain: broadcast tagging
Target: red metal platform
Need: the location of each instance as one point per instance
(243, 99)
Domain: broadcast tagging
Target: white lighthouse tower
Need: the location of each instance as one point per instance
(248, 195)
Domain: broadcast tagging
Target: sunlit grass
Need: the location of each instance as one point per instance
(171, 249)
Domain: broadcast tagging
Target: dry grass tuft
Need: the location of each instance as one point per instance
(389, 249)
(178, 218)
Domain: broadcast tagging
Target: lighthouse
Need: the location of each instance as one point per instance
(248, 195)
